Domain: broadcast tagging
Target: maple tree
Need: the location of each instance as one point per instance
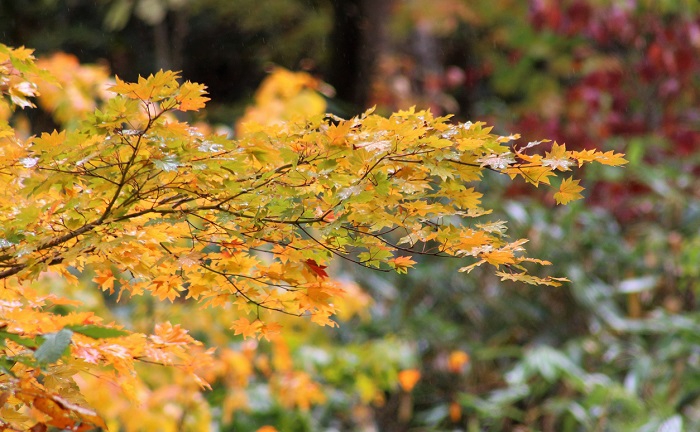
(149, 204)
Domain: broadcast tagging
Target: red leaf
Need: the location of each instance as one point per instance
(316, 268)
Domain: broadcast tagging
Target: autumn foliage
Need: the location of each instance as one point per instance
(148, 204)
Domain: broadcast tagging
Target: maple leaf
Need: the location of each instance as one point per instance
(323, 318)
(105, 280)
(191, 97)
(269, 329)
(467, 198)
(498, 257)
(503, 139)
(131, 90)
(532, 174)
(529, 279)
(166, 287)
(156, 87)
(470, 239)
(317, 269)
(497, 161)
(338, 133)
(569, 190)
(48, 140)
(243, 326)
(167, 334)
(22, 53)
(401, 264)
(584, 156)
(469, 144)
(608, 158)
(611, 158)
(558, 158)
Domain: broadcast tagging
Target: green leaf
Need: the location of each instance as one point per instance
(54, 346)
(29, 343)
(97, 332)
(168, 163)
(6, 364)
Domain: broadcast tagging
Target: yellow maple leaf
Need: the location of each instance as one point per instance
(558, 158)
(470, 239)
(131, 90)
(469, 144)
(583, 156)
(49, 140)
(191, 97)
(568, 191)
(401, 264)
(162, 80)
(558, 151)
(532, 174)
(532, 280)
(534, 159)
(498, 257)
(23, 53)
(323, 318)
(611, 158)
(338, 133)
(608, 158)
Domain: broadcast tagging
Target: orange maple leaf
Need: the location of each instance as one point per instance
(243, 326)
(168, 334)
(269, 329)
(105, 280)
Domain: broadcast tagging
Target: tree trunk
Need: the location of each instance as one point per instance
(359, 36)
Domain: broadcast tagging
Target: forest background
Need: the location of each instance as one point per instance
(614, 349)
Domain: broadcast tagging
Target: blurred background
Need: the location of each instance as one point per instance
(617, 349)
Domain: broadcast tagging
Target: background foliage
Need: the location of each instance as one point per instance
(616, 349)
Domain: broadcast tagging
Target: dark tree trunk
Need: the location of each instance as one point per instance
(358, 37)
(169, 40)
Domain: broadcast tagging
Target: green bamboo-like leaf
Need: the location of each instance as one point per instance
(97, 332)
(27, 342)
